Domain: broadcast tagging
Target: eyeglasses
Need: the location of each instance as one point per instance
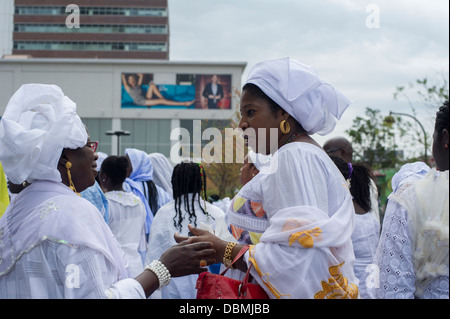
(92, 145)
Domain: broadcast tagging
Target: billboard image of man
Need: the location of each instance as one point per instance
(213, 92)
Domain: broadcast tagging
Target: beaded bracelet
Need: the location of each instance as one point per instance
(160, 271)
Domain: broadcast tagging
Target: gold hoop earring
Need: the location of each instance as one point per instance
(285, 127)
(71, 185)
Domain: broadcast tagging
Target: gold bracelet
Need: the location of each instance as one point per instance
(227, 257)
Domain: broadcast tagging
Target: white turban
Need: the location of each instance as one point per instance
(38, 123)
(299, 90)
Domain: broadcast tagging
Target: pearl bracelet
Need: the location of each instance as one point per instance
(160, 271)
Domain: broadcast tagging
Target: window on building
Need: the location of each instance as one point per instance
(97, 129)
(147, 135)
(91, 28)
(54, 10)
(91, 46)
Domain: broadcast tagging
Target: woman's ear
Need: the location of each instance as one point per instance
(63, 159)
(254, 170)
(283, 114)
(103, 177)
(445, 137)
(67, 155)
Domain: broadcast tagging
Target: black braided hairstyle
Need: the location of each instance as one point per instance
(442, 119)
(359, 181)
(152, 196)
(187, 178)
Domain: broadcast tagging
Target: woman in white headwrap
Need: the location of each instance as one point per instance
(296, 214)
(54, 243)
(162, 171)
(140, 182)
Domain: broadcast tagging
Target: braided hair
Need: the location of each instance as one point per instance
(360, 176)
(442, 119)
(152, 195)
(187, 178)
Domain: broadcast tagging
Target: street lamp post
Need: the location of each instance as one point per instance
(118, 133)
(421, 126)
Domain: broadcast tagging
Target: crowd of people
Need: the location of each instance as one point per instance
(78, 223)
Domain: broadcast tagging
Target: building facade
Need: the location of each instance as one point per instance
(96, 29)
(100, 88)
(6, 27)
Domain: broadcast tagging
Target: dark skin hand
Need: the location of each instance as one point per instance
(180, 260)
(218, 245)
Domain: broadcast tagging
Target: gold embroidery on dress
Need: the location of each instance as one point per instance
(265, 276)
(337, 286)
(305, 238)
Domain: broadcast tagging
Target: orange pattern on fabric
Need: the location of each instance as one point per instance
(236, 232)
(305, 238)
(257, 209)
(337, 286)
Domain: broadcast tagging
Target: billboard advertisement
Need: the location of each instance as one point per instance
(191, 91)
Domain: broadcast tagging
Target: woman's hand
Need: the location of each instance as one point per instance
(184, 258)
(180, 260)
(201, 235)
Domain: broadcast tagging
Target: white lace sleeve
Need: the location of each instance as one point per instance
(394, 257)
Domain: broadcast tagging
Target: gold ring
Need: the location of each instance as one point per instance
(203, 263)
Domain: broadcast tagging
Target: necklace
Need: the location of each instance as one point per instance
(293, 136)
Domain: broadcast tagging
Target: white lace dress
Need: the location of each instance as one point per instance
(412, 255)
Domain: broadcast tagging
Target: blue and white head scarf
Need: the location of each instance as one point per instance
(142, 171)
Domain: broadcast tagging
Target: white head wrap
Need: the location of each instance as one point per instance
(38, 123)
(162, 171)
(299, 90)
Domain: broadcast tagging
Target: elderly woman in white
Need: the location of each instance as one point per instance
(53, 243)
(296, 214)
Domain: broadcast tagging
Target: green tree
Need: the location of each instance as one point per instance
(424, 97)
(373, 139)
(430, 92)
(224, 176)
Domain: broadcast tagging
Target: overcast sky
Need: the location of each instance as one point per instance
(364, 48)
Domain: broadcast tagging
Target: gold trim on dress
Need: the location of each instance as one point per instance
(337, 286)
